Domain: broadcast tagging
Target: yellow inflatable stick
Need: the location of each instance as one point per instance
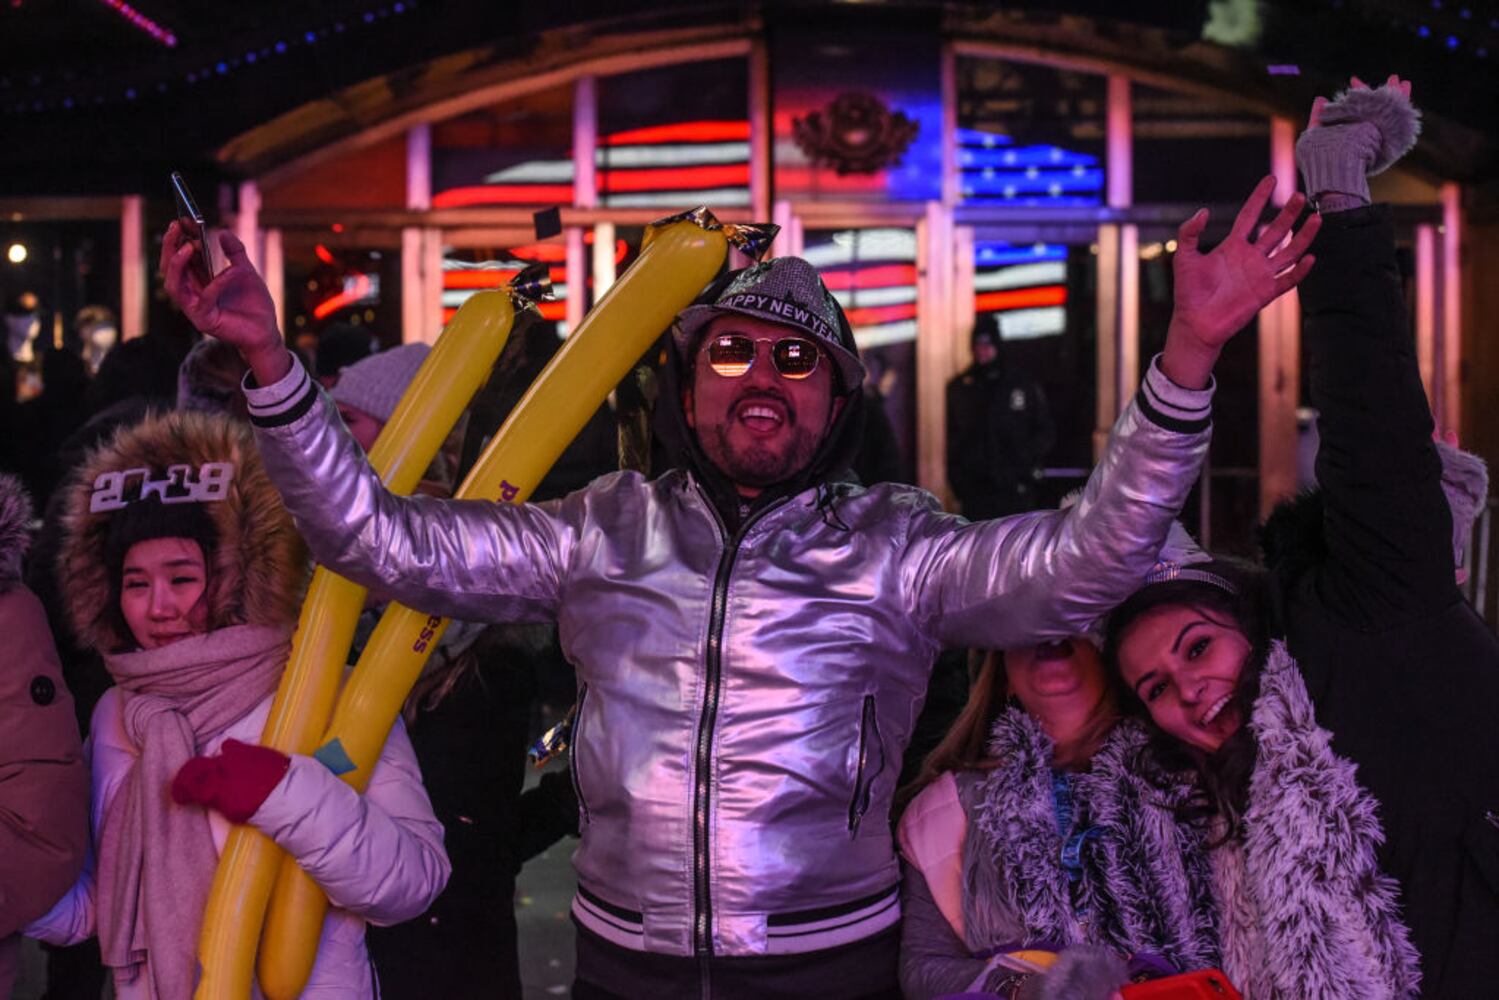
(678, 258)
(444, 384)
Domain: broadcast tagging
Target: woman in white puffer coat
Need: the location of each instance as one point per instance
(185, 571)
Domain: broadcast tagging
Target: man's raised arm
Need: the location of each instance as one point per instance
(1013, 581)
(466, 559)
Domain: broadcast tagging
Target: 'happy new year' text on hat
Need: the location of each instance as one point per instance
(787, 291)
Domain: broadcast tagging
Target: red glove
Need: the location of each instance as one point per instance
(235, 782)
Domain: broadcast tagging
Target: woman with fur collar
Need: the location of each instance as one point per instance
(1353, 789)
(1304, 910)
(186, 573)
(43, 780)
(1031, 829)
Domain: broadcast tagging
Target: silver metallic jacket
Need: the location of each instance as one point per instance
(743, 702)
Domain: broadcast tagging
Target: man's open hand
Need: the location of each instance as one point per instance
(1219, 292)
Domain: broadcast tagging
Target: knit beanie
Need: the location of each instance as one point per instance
(376, 384)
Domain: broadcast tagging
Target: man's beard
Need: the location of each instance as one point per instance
(758, 466)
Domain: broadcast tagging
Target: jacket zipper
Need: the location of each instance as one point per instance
(573, 769)
(703, 903)
(869, 731)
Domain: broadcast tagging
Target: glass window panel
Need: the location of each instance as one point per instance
(515, 153)
(1043, 297)
(471, 269)
(675, 136)
(1029, 134)
(1191, 149)
(872, 274)
(328, 285)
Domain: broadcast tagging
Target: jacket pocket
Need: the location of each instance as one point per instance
(575, 765)
(871, 764)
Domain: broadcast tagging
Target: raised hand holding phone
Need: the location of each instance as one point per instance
(195, 228)
(235, 306)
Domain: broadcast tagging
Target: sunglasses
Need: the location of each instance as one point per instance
(732, 354)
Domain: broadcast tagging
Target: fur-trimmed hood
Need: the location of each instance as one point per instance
(1305, 911)
(1144, 877)
(260, 565)
(15, 530)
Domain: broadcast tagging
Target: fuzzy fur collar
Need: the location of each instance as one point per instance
(260, 564)
(1305, 911)
(15, 530)
(1146, 881)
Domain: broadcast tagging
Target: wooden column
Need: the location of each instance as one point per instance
(1279, 351)
(135, 271)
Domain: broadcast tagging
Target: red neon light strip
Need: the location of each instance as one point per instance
(615, 181)
(880, 276)
(503, 194)
(707, 131)
(1021, 298)
(554, 311)
(329, 306)
(675, 178)
(873, 315)
(492, 279)
(141, 21)
(555, 252)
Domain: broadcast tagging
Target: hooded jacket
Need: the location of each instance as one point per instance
(745, 693)
(43, 779)
(378, 856)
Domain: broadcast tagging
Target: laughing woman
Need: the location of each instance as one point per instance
(1032, 831)
(185, 571)
(1353, 790)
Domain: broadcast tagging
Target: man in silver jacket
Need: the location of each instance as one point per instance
(752, 633)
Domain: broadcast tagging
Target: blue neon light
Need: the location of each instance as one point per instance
(1024, 156)
(1002, 253)
(995, 169)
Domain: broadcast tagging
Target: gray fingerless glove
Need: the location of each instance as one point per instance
(1363, 132)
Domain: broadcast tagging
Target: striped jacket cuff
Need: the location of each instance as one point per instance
(1168, 405)
(281, 402)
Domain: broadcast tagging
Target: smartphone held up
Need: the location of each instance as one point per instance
(205, 263)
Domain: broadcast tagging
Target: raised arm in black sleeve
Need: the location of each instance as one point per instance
(1387, 525)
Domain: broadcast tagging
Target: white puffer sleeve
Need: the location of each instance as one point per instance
(378, 855)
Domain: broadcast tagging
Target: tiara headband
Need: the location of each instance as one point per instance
(211, 483)
(1166, 572)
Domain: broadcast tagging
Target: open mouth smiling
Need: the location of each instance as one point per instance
(762, 416)
(1215, 710)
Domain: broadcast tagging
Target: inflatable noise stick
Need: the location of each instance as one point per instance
(678, 258)
(442, 388)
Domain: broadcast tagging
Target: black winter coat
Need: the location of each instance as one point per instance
(1401, 669)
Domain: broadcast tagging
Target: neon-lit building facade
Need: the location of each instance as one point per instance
(1040, 179)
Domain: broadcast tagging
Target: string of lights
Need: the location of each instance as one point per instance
(36, 94)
